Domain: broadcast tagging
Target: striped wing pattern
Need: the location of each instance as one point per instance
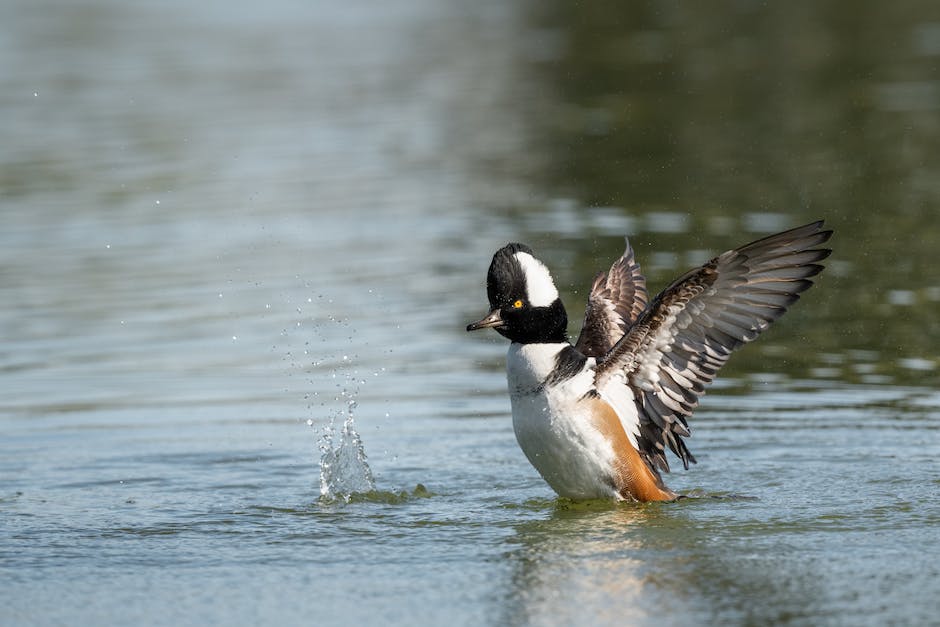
(678, 343)
(617, 298)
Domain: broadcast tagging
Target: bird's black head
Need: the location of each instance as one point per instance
(524, 303)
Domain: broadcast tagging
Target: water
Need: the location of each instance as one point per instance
(344, 466)
(224, 230)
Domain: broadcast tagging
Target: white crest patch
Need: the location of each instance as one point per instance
(539, 284)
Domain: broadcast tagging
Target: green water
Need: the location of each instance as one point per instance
(222, 228)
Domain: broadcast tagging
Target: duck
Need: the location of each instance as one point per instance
(595, 417)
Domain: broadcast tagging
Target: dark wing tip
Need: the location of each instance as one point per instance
(737, 295)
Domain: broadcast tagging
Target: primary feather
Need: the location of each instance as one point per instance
(677, 344)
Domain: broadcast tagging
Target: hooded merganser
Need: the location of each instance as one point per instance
(595, 418)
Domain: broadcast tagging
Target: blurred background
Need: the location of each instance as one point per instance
(223, 226)
(211, 145)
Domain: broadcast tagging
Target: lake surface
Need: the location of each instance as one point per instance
(224, 229)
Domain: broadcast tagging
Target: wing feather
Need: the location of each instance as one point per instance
(617, 298)
(678, 343)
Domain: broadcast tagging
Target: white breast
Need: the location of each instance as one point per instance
(553, 426)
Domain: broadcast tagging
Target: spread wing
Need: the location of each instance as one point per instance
(617, 299)
(677, 345)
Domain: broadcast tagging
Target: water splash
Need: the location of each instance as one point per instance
(344, 469)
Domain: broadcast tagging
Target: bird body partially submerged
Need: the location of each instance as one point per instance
(595, 418)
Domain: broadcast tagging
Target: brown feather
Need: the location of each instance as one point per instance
(617, 299)
(634, 479)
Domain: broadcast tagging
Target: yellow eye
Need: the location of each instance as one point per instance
(517, 304)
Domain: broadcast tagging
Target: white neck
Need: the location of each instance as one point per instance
(528, 365)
